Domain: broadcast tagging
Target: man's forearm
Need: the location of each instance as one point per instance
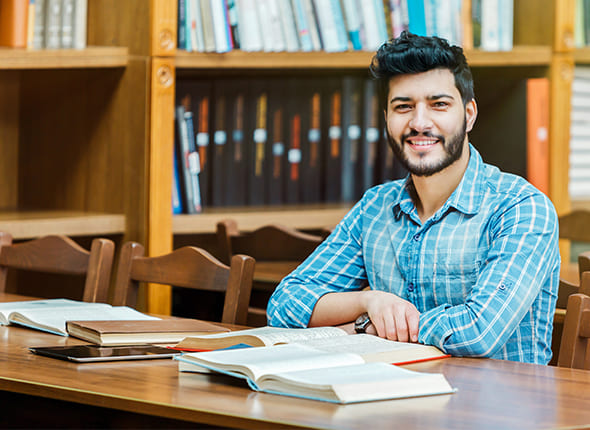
(334, 309)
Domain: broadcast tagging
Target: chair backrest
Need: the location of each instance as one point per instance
(269, 243)
(187, 267)
(574, 351)
(61, 255)
(575, 226)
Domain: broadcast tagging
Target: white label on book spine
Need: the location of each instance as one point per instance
(294, 156)
(372, 134)
(260, 135)
(202, 139)
(194, 163)
(220, 137)
(334, 132)
(314, 135)
(354, 132)
(238, 135)
(278, 149)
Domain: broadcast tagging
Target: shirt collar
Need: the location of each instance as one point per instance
(466, 198)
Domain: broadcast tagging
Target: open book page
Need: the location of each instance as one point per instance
(376, 349)
(261, 336)
(256, 362)
(355, 383)
(7, 308)
(53, 320)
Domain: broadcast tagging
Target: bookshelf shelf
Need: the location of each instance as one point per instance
(31, 224)
(250, 218)
(582, 55)
(519, 56)
(91, 57)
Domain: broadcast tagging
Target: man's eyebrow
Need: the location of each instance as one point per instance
(432, 97)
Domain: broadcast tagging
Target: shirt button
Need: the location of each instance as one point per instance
(416, 237)
(410, 287)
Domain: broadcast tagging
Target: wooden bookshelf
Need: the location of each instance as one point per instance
(306, 217)
(91, 57)
(31, 224)
(582, 55)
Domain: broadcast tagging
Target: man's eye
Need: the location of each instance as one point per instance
(402, 108)
(440, 104)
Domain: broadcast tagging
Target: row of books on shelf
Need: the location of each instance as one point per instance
(582, 24)
(43, 24)
(278, 141)
(339, 25)
(579, 172)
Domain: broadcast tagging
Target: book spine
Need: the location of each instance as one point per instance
(302, 26)
(250, 36)
(238, 188)
(185, 157)
(417, 17)
(219, 23)
(538, 133)
(311, 139)
(313, 25)
(219, 169)
(181, 21)
(259, 139)
(353, 23)
(232, 17)
(53, 24)
(371, 30)
(176, 189)
(39, 30)
(31, 11)
(505, 24)
(490, 37)
(13, 23)
(288, 24)
(67, 24)
(80, 24)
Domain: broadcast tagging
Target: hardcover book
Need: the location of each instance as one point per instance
(303, 371)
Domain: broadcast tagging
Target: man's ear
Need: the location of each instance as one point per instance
(470, 114)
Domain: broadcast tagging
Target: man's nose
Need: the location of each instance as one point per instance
(420, 120)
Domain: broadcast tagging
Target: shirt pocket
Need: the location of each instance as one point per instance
(454, 276)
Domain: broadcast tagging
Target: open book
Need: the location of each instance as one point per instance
(111, 333)
(51, 315)
(303, 371)
(332, 339)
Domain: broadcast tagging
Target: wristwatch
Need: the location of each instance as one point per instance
(361, 323)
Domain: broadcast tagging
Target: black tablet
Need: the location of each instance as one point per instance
(92, 353)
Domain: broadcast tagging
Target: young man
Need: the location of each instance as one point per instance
(458, 254)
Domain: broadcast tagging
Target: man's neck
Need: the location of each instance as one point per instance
(433, 191)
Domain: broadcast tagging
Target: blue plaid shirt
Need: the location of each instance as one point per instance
(483, 271)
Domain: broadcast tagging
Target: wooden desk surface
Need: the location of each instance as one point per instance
(492, 394)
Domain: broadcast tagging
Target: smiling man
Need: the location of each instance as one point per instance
(458, 254)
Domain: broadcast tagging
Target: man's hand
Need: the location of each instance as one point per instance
(393, 318)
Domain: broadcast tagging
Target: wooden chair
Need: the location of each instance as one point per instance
(574, 349)
(277, 250)
(187, 267)
(61, 255)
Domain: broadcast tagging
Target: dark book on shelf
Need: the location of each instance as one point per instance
(351, 139)
(311, 160)
(257, 140)
(276, 153)
(220, 149)
(332, 138)
(371, 134)
(177, 206)
(237, 174)
(181, 32)
(188, 162)
(293, 142)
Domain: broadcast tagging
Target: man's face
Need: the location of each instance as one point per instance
(427, 123)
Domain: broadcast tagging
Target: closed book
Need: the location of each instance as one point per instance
(53, 17)
(250, 34)
(220, 23)
(181, 25)
(39, 30)
(332, 138)
(372, 38)
(237, 190)
(13, 23)
(232, 17)
(331, 25)
(277, 134)
(351, 138)
(302, 25)
(490, 22)
(293, 142)
(221, 163)
(370, 134)
(288, 25)
(311, 147)
(67, 24)
(257, 141)
(132, 332)
(353, 23)
(538, 133)
(194, 22)
(177, 206)
(31, 11)
(417, 17)
(188, 163)
(207, 20)
(313, 25)
(80, 24)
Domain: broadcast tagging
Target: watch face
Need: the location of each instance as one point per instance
(361, 323)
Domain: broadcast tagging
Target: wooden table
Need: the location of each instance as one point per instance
(492, 394)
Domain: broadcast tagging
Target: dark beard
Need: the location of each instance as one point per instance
(453, 150)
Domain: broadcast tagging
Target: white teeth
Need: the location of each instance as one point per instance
(424, 142)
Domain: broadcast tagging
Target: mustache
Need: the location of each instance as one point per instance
(415, 133)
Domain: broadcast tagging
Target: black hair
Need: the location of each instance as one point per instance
(409, 54)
